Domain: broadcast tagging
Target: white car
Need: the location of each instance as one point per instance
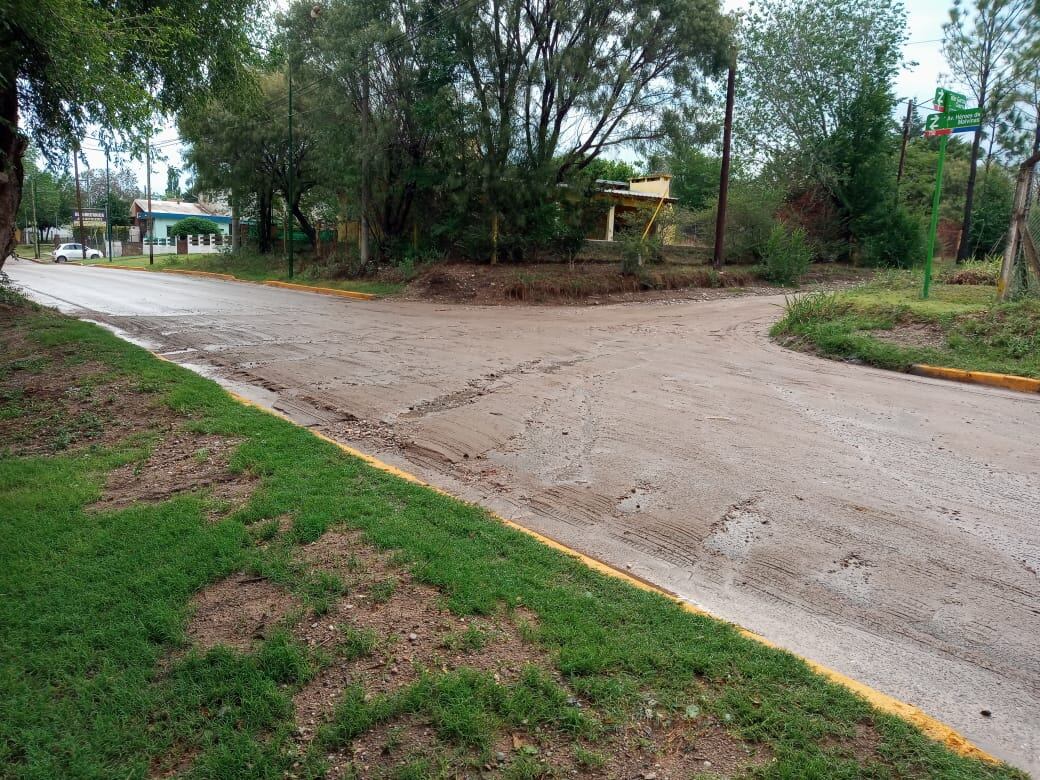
(67, 252)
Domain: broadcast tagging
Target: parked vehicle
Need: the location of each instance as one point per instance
(67, 252)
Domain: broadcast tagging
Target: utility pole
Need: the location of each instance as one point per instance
(36, 222)
(79, 204)
(108, 200)
(906, 138)
(727, 138)
(363, 245)
(291, 164)
(150, 222)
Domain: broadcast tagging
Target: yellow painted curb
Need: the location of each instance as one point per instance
(323, 290)
(208, 274)
(928, 725)
(117, 267)
(1022, 384)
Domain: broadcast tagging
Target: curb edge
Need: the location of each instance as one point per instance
(1022, 384)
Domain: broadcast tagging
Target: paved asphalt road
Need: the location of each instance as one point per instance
(885, 525)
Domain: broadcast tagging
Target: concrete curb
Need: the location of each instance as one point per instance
(1022, 384)
(928, 725)
(358, 296)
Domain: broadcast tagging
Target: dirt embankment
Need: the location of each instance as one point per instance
(594, 283)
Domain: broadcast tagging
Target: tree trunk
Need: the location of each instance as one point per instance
(305, 224)
(12, 148)
(264, 222)
(964, 248)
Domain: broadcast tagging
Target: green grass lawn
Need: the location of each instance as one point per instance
(99, 676)
(886, 324)
(256, 268)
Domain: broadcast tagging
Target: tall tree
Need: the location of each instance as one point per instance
(241, 146)
(550, 85)
(802, 64)
(816, 111)
(980, 45)
(55, 196)
(68, 64)
(173, 182)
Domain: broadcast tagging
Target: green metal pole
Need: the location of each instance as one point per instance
(935, 217)
(291, 164)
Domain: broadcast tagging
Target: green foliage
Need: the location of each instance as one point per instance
(991, 213)
(610, 170)
(895, 240)
(81, 63)
(802, 65)
(972, 332)
(786, 255)
(194, 226)
(638, 252)
(750, 216)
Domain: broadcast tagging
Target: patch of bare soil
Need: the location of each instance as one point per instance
(181, 462)
(411, 632)
(237, 612)
(682, 749)
(50, 404)
(174, 764)
(862, 746)
(913, 334)
(407, 633)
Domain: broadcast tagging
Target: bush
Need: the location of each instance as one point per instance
(895, 240)
(637, 252)
(194, 226)
(786, 255)
(751, 208)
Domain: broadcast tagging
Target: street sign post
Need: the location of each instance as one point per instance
(952, 118)
(948, 100)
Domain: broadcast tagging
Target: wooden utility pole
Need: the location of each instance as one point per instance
(108, 200)
(727, 137)
(79, 204)
(906, 138)
(363, 233)
(150, 223)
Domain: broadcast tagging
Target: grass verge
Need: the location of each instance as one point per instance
(257, 268)
(194, 587)
(886, 324)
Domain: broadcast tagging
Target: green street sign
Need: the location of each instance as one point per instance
(964, 117)
(961, 121)
(946, 99)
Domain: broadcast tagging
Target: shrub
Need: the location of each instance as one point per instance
(786, 255)
(894, 240)
(750, 212)
(638, 252)
(194, 226)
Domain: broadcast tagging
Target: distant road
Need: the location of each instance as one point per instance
(885, 525)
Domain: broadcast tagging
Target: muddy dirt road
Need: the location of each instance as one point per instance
(885, 525)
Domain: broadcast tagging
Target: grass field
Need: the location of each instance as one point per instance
(885, 323)
(194, 587)
(252, 267)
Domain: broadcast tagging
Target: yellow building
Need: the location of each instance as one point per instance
(633, 204)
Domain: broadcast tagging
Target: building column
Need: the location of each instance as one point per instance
(610, 224)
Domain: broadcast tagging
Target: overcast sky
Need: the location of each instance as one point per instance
(925, 20)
